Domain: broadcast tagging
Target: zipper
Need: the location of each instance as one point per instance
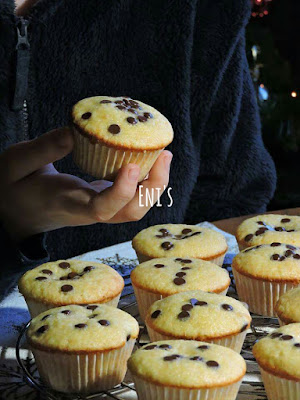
(22, 71)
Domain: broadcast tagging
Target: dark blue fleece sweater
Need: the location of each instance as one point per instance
(184, 57)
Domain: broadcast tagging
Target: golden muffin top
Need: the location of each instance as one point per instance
(279, 352)
(269, 228)
(275, 262)
(288, 306)
(122, 122)
(89, 328)
(179, 240)
(198, 315)
(71, 282)
(187, 364)
(168, 276)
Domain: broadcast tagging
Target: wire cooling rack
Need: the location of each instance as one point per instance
(251, 388)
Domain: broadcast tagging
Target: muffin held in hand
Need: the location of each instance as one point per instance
(82, 348)
(269, 228)
(278, 356)
(63, 282)
(162, 277)
(186, 370)
(178, 240)
(288, 307)
(264, 272)
(197, 315)
(111, 132)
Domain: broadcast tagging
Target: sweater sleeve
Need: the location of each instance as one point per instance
(237, 175)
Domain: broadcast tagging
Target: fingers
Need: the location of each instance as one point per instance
(25, 158)
(110, 201)
(155, 185)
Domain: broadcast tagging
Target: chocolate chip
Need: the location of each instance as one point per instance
(181, 274)
(148, 115)
(114, 129)
(297, 345)
(47, 271)
(132, 110)
(248, 237)
(142, 118)
(167, 245)
(178, 259)
(203, 347)
(288, 253)
(286, 337)
(164, 231)
(64, 278)
(66, 288)
(296, 256)
(40, 278)
(275, 257)
(72, 275)
(121, 107)
(284, 220)
(165, 347)
(279, 229)
(261, 231)
(179, 281)
(196, 358)
(64, 265)
(275, 244)
(275, 335)
(173, 357)
(194, 234)
(244, 327)
(91, 307)
(186, 261)
(186, 230)
(159, 265)
(187, 307)
(212, 364)
(289, 246)
(227, 307)
(42, 329)
(183, 315)
(282, 258)
(150, 347)
(133, 103)
(105, 101)
(93, 316)
(86, 115)
(260, 222)
(131, 120)
(155, 314)
(195, 302)
(66, 312)
(81, 326)
(290, 230)
(104, 322)
(185, 268)
(119, 102)
(128, 338)
(45, 317)
(88, 268)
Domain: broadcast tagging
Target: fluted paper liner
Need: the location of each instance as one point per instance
(150, 391)
(217, 260)
(260, 295)
(280, 388)
(104, 162)
(83, 373)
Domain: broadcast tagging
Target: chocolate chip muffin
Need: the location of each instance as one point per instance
(269, 228)
(178, 240)
(263, 273)
(197, 315)
(278, 356)
(162, 277)
(186, 370)
(82, 348)
(111, 132)
(287, 307)
(64, 282)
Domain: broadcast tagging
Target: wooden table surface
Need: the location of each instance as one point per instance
(230, 225)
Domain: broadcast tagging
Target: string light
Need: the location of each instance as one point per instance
(294, 94)
(260, 8)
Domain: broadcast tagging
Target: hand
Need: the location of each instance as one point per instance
(36, 198)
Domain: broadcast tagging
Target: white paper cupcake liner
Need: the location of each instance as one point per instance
(145, 299)
(88, 373)
(261, 296)
(234, 342)
(217, 260)
(151, 391)
(104, 162)
(280, 388)
(35, 307)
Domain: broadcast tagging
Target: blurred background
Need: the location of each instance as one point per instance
(273, 50)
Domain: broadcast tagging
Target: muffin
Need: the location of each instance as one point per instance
(269, 228)
(264, 272)
(110, 132)
(197, 315)
(178, 240)
(278, 356)
(162, 277)
(82, 348)
(287, 307)
(186, 370)
(61, 282)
